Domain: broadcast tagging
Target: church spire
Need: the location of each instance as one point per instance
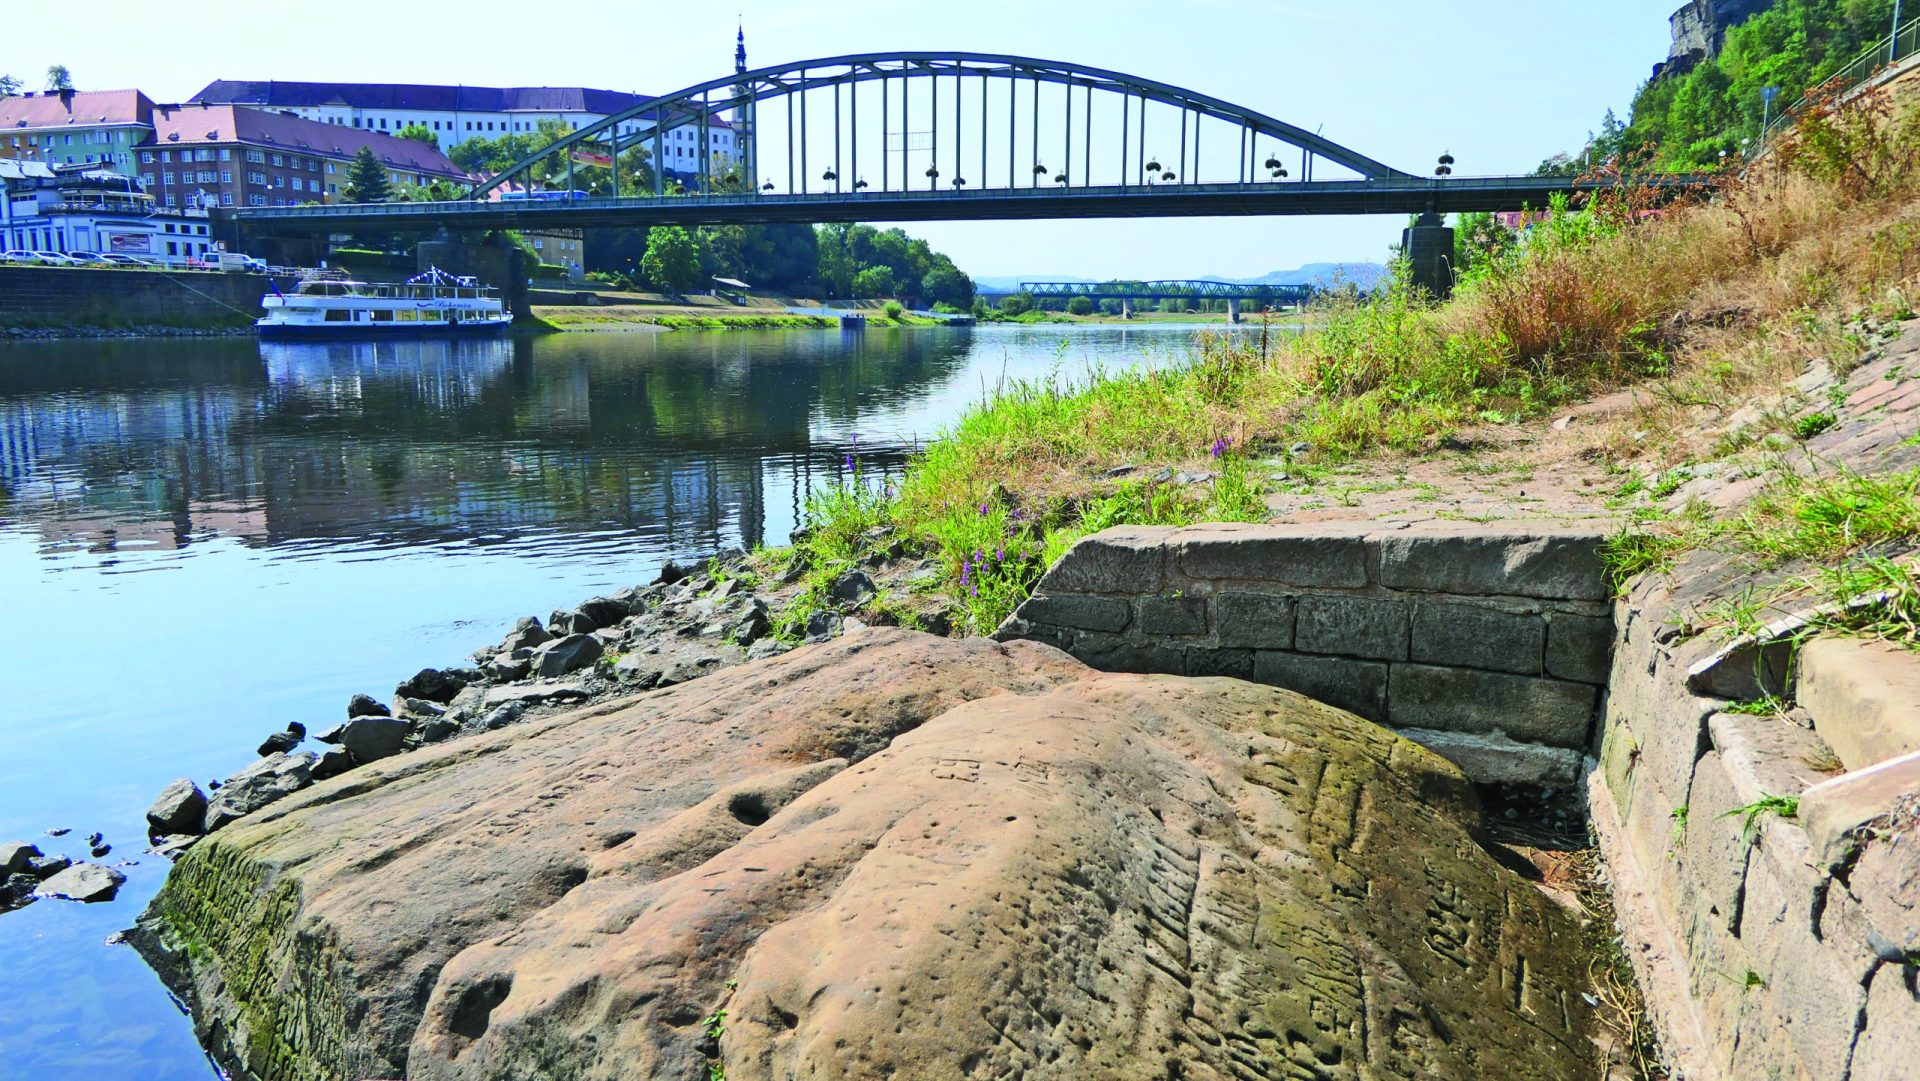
(740, 50)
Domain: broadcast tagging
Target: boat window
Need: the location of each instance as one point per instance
(382, 316)
(338, 315)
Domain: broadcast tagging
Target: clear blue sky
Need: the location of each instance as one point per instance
(1500, 83)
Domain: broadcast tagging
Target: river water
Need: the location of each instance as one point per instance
(201, 540)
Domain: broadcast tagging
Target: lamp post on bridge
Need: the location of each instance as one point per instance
(1893, 41)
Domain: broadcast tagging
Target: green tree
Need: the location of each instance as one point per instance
(672, 259)
(1478, 240)
(367, 179)
(1017, 303)
(1080, 305)
(9, 86)
(419, 133)
(945, 284)
(59, 78)
(874, 281)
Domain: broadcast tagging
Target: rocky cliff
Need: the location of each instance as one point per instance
(886, 855)
(1699, 27)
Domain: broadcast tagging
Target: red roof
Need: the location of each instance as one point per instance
(88, 108)
(185, 125)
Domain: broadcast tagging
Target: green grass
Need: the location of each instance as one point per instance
(1749, 815)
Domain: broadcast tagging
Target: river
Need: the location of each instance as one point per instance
(201, 540)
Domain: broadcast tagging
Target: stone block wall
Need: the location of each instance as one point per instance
(81, 297)
(1488, 644)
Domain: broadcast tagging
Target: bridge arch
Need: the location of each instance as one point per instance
(741, 96)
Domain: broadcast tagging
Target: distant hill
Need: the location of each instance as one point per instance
(1364, 275)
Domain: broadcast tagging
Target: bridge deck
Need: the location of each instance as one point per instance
(1395, 195)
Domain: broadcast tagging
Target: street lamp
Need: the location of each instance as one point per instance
(1445, 168)
(1893, 43)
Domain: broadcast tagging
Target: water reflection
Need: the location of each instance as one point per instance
(678, 437)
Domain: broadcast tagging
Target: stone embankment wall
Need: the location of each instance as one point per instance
(1487, 644)
(1773, 938)
(73, 297)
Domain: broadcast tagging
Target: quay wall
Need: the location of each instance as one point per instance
(34, 297)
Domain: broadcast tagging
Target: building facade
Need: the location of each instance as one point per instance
(67, 127)
(80, 210)
(455, 114)
(223, 155)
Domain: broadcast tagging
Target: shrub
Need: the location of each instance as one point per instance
(1081, 305)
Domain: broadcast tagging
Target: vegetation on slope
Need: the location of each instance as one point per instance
(1699, 300)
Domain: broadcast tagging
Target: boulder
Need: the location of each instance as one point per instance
(569, 654)
(767, 647)
(15, 856)
(433, 684)
(47, 866)
(333, 733)
(332, 763)
(369, 739)
(507, 667)
(533, 694)
(180, 808)
(888, 855)
(366, 705)
(438, 729)
(853, 587)
(170, 846)
(751, 624)
(281, 742)
(419, 708)
(563, 622)
(274, 777)
(526, 634)
(82, 882)
(604, 611)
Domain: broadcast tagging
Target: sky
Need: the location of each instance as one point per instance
(1501, 84)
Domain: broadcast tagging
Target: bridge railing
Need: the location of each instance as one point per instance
(462, 207)
(1885, 53)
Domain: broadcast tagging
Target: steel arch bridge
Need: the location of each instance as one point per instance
(1170, 289)
(917, 136)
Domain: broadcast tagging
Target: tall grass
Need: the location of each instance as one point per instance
(1622, 289)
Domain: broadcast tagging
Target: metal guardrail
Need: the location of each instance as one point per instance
(1882, 54)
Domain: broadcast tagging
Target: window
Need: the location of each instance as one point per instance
(257, 178)
(170, 203)
(146, 180)
(299, 184)
(329, 168)
(173, 247)
(226, 198)
(256, 157)
(226, 176)
(338, 315)
(226, 153)
(166, 178)
(146, 156)
(256, 200)
(166, 155)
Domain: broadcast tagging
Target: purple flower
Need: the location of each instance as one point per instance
(966, 571)
(983, 510)
(849, 463)
(1220, 446)
(999, 555)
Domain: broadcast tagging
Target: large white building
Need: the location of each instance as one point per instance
(85, 211)
(458, 113)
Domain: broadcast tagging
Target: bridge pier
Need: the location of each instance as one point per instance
(495, 262)
(1233, 309)
(1427, 246)
(1126, 307)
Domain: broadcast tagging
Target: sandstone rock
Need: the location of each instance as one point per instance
(369, 739)
(508, 667)
(604, 611)
(569, 654)
(526, 634)
(887, 855)
(47, 866)
(272, 778)
(433, 684)
(83, 882)
(281, 742)
(1864, 697)
(15, 855)
(768, 647)
(180, 808)
(365, 705)
(533, 695)
(332, 763)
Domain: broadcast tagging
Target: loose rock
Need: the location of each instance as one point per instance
(569, 654)
(16, 855)
(332, 763)
(87, 882)
(365, 705)
(180, 808)
(369, 739)
(434, 684)
(526, 634)
(853, 587)
(47, 866)
(272, 778)
(281, 742)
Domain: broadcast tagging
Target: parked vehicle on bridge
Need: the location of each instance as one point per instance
(54, 258)
(239, 263)
(330, 305)
(20, 256)
(114, 258)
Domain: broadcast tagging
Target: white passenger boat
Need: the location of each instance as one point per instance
(330, 305)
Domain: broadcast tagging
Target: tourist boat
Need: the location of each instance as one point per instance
(327, 304)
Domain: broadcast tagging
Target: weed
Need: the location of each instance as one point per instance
(1626, 555)
(1764, 706)
(1813, 424)
(1679, 816)
(715, 1024)
(1749, 815)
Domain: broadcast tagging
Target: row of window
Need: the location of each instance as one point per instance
(55, 239)
(66, 138)
(90, 159)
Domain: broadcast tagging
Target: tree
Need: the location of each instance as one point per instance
(419, 133)
(59, 78)
(875, 281)
(9, 86)
(1017, 303)
(367, 179)
(672, 260)
(1080, 305)
(1479, 239)
(945, 284)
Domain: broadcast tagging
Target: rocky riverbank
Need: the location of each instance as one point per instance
(690, 621)
(882, 854)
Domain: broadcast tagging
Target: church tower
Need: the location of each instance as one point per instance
(743, 116)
